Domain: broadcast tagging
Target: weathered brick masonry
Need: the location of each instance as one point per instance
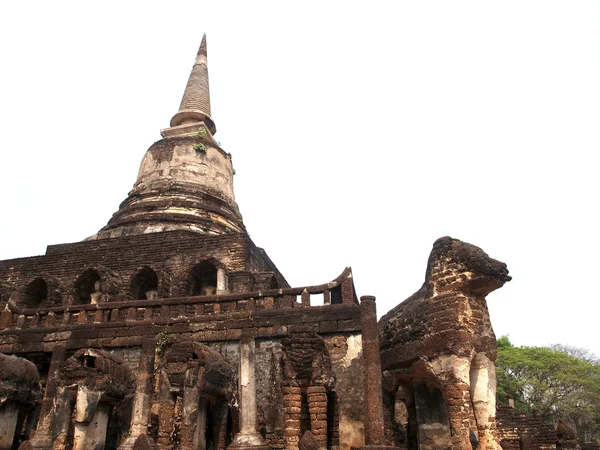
(125, 328)
(170, 329)
(438, 350)
(171, 255)
(517, 431)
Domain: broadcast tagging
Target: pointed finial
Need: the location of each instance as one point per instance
(202, 49)
(195, 104)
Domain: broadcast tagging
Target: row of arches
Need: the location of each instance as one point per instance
(93, 286)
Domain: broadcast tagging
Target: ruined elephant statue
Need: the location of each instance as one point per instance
(93, 387)
(194, 381)
(19, 392)
(439, 348)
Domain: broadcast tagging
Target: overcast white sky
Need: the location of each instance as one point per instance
(360, 133)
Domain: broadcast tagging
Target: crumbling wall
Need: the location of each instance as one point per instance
(136, 336)
(130, 356)
(193, 390)
(517, 431)
(346, 413)
(268, 375)
(171, 255)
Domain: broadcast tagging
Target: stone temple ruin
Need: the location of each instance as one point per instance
(171, 329)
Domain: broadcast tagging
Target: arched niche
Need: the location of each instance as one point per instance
(87, 287)
(203, 279)
(36, 293)
(144, 285)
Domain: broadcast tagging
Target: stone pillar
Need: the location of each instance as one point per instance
(453, 375)
(222, 282)
(374, 429)
(248, 437)
(91, 432)
(143, 392)
(62, 413)
(292, 407)
(483, 396)
(317, 407)
(191, 429)
(9, 415)
(43, 438)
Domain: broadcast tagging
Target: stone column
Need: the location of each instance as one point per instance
(222, 282)
(91, 420)
(292, 406)
(43, 438)
(374, 429)
(453, 375)
(483, 397)
(248, 437)
(317, 407)
(60, 426)
(190, 431)
(143, 392)
(9, 415)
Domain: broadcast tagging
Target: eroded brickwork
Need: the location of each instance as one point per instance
(154, 341)
(170, 329)
(438, 347)
(517, 431)
(170, 255)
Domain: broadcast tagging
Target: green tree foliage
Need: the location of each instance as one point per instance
(551, 383)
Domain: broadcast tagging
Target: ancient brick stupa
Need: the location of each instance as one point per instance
(170, 329)
(185, 180)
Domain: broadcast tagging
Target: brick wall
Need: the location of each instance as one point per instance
(517, 431)
(172, 255)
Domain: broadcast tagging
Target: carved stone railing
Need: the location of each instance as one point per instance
(341, 290)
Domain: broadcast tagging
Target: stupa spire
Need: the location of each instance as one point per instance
(195, 104)
(185, 181)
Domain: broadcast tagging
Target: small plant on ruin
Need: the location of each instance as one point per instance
(234, 171)
(162, 340)
(201, 133)
(200, 148)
